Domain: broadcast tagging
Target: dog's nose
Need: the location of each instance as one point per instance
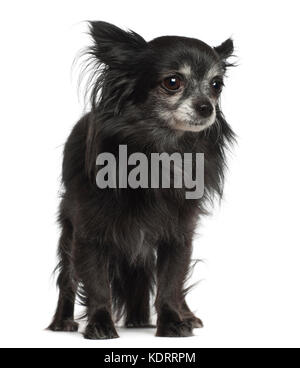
(204, 108)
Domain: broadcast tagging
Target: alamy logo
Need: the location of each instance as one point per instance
(164, 170)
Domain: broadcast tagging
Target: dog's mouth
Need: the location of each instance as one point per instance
(193, 125)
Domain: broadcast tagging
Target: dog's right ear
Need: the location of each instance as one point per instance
(115, 47)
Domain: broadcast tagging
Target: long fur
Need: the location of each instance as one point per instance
(120, 245)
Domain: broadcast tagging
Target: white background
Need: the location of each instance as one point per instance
(249, 294)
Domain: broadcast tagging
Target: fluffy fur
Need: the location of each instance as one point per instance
(118, 246)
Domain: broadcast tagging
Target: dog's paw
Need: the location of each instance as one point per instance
(175, 329)
(65, 325)
(100, 331)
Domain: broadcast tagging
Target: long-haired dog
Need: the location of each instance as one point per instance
(118, 244)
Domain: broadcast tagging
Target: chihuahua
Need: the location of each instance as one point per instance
(121, 245)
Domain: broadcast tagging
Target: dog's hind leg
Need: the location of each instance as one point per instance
(63, 319)
(137, 302)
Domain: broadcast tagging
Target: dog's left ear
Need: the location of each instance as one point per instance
(225, 50)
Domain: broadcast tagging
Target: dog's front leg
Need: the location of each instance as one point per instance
(91, 262)
(172, 267)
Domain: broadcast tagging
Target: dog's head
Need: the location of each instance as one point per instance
(177, 80)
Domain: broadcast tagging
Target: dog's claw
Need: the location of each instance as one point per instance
(195, 322)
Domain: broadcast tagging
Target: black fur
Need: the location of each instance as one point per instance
(118, 245)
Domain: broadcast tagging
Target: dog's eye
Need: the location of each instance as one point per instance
(172, 83)
(217, 85)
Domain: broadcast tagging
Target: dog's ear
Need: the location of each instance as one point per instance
(225, 50)
(115, 47)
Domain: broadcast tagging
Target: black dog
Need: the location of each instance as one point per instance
(118, 243)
